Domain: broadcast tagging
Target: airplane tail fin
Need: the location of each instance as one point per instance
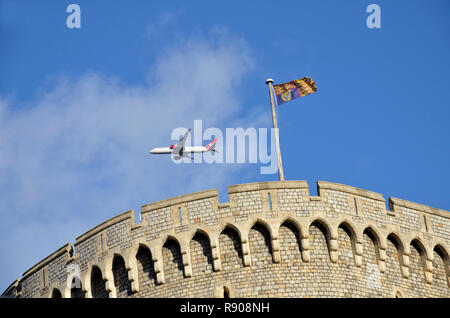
(212, 145)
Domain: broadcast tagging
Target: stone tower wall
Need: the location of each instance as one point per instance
(271, 239)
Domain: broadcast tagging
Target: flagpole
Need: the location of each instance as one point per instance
(269, 82)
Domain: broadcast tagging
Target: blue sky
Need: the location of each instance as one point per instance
(80, 108)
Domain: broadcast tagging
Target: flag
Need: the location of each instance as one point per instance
(291, 90)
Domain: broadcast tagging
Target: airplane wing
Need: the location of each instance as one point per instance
(178, 150)
(183, 156)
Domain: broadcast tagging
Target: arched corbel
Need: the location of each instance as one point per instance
(333, 246)
(109, 278)
(274, 241)
(405, 261)
(246, 251)
(358, 252)
(67, 289)
(156, 251)
(131, 266)
(306, 246)
(186, 256)
(426, 257)
(87, 282)
(382, 253)
(429, 268)
(215, 253)
(276, 249)
(54, 286)
(382, 259)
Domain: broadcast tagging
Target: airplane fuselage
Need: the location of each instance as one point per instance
(179, 151)
(167, 150)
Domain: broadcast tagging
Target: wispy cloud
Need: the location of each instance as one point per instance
(78, 154)
(162, 22)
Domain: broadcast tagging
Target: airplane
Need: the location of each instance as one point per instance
(179, 151)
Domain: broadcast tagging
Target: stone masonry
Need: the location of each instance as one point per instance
(271, 240)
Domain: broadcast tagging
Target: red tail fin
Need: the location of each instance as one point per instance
(211, 145)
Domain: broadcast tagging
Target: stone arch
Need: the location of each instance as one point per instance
(290, 243)
(234, 228)
(427, 252)
(260, 242)
(56, 293)
(351, 228)
(172, 260)
(145, 267)
(301, 231)
(348, 260)
(421, 248)
(344, 249)
(330, 233)
(226, 292)
(441, 259)
(169, 237)
(370, 267)
(76, 290)
(417, 276)
(375, 237)
(98, 285)
(394, 257)
(199, 230)
(319, 228)
(444, 251)
(120, 274)
(395, 238)
(320, 267)
(222, 289)
(398, 293)
(264, 224)
(230, 248)
(201, 253)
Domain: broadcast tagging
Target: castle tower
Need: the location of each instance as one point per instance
(272, 239)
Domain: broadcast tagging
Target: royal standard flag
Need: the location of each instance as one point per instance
(297, 88)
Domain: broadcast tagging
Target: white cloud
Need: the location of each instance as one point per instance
(78, 154)
(161, 23)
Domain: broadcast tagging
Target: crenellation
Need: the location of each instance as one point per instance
(440, 226)
(57, 270)
(158, 221)
(242, 202)
(86, 251)
(272, 239)
(30, 286)
(374, 210)
(291, 199)
(409, 218)
(201, 211)
(338, 201)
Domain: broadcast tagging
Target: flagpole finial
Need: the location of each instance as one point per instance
(269, 80)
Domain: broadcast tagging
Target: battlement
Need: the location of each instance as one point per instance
(193, 240)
